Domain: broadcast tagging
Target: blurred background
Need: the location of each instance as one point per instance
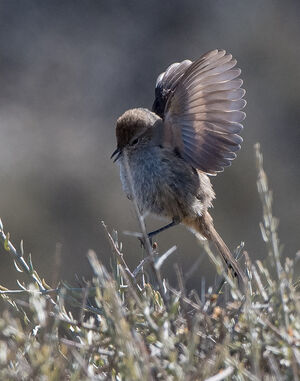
(68, 69)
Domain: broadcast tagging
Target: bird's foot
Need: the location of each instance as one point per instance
(153, 245)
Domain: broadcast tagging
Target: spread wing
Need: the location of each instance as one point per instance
(202, 110)
(166, 83)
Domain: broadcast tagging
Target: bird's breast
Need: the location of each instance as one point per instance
(143, 181)
(162, 182)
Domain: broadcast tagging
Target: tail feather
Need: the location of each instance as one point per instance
(204, 226)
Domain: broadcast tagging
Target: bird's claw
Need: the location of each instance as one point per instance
(143, 242)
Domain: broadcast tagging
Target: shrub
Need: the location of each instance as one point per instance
(130, 329)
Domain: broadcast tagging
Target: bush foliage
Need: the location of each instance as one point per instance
(118, 326)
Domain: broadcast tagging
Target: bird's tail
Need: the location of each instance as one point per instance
(205, 227)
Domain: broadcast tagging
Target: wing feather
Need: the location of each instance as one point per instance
(166, 83)
(202, 103)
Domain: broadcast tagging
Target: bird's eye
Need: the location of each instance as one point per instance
(134, 142)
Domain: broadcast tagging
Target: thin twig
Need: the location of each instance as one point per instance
(147, 243)
(270, 226)
(273, 366)
(222, 375)
(117, 251)
(9, 247)
(163, 257)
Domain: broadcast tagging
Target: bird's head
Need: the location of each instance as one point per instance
(133, 128)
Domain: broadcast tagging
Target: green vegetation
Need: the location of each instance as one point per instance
(129, 329)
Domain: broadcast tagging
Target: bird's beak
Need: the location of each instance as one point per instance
(117, 152)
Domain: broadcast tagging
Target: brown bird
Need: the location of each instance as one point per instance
(190, 134)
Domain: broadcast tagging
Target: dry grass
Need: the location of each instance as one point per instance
(127, 329)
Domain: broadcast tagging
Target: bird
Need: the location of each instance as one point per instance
(167, 154)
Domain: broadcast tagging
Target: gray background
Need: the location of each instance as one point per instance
(68, 69)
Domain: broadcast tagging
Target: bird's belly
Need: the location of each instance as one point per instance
(162, 184)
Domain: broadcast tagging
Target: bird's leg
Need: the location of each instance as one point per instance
(174, 222)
